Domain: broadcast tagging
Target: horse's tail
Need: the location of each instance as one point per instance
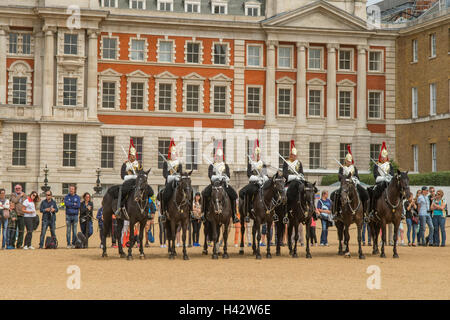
(107, 214)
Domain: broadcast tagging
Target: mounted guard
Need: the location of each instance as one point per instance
(293, 168)
(257, 174)
(172, 170)
(383, 171)
(219, 171)
(349, 168)
(128, 173)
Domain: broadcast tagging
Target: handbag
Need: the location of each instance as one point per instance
(415, 219)
(5, 213)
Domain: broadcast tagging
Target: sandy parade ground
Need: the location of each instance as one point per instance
(419, 273)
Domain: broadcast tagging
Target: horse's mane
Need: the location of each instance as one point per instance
(113, 191)
(267, 184)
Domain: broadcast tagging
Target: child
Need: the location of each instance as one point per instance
(11, 236)
(312, 232)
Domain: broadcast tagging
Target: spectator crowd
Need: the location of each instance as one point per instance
(19, 220)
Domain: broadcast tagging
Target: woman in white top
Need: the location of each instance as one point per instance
(29, 210)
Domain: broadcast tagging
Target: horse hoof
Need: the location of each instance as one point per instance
(215, 257)
(225, 256)
(396, 256)
(205, 252)
(290, 252)
(347, 255)
(219, 253)
(142, 257)
(241, 252)
(278, 254)
(268, 256)
(123, 255)
(105, 255)
(382, 255)
(362, 257)
(185, 257)
(294, 255)
(258, 257)
(130, 258)
(308, 256)
(341, 253)
(171, 257)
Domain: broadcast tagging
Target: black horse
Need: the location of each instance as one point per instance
(388, 209)
(301, 209)
(352, 209)
(218, 213)
(271, 196)
(136, 206)
(179, 210)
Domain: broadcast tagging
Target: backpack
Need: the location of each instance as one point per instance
(51, 243)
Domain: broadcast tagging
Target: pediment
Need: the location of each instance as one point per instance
(317, 15)
(285, 80)
(166, 75)
(220, 77)
(316, 82)
(138, 74)
(346, 83)
(110, 73)
(194, 76)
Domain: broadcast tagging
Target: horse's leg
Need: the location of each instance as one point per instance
(205, 232)
(184, 226)
(131, 241)
(308, 236)
(120, 223)
(141, 238)
(396, 227)
(107, 222)
(360, 225)
(296, 237)
(346, 240)
(241, 249)
(289, 235)
(171, 238)
(278, 230)
(215, 240)
(340, 231)
(383, 238)
(258, 238)
(254, 236)
(269, 227)
(225, 240)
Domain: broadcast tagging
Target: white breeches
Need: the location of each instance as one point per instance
(172, 177)
(294, 177)
(130, 176)
(258, 179)
(216, 177)
(386, 178)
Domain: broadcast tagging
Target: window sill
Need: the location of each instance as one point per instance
(413, 62)
(316, 70)
(68, 170)
(286, 69)
(346, 72)
(255, 68)
(431, 58)
(18, 168)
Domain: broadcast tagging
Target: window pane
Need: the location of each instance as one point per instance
(109, 95)
(314, 102)
(163, 148)
(284, 57)
(375, 151)
(191, 155)
(70, 92)
(13, 42)
(137, 96)
(19, 90)
(219, 99)
(344, 103)
(165, 51)
(137, 50)
(284, 150)
(70, 43)
(314, 58)
(284, 101)
(26, 43)
(19, 157)
(69, 150)
(314, 155)
(253, 100)
(192, 97)
(345, 60)
(220, 53)
(107, 155)
(375, 105)
(165, 96)
(254, 55)
(343, 151)
(193, 52)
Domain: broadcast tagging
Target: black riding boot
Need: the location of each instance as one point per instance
(204, 202)
(162, 213)
(118, 212)
(233, 211)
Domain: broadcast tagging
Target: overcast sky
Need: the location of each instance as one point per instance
(371, 2)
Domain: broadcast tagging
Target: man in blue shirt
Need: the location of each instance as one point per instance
(48, 209)
(425, 218)
(324, 208)
(72, 204)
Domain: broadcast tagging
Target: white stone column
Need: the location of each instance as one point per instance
(92, 93)
(361, 120)
(301, 84)
(270, 84)
(37, 82)
(48, 78)
(331, 85)
(3, 44)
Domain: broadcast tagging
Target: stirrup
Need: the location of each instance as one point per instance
(162, 218)
(285, 220)
(118, 213)
(236, 220)
(247, 219)
(275, 217)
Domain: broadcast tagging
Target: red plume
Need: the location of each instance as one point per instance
(383, 147)
(169, 153)
(129, 149)
(350, 151)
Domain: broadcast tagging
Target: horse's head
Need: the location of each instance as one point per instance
(185, 183)
(402, 180)
(309, 192)
(218, 197)
(141, 184)
(278, 185)
(348, 188)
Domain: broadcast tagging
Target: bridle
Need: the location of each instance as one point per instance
(348, 201)
(277, 194)
(185, 200)
(218, 207)
(139, 193)
(311, 201)
(401, 191)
